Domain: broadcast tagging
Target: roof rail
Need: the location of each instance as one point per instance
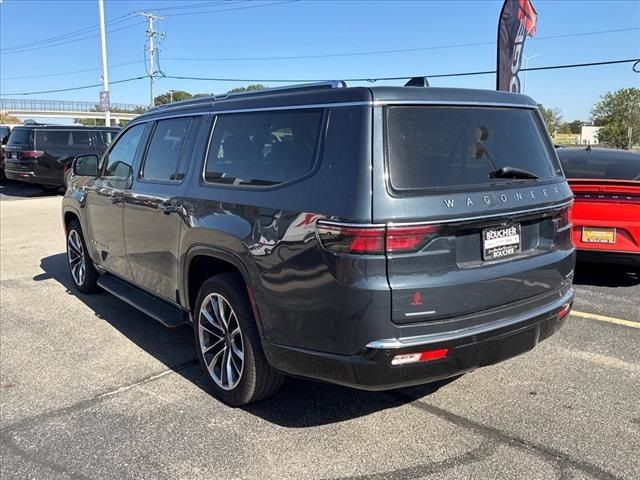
(288, 88)
(264, 91)
(182, 103)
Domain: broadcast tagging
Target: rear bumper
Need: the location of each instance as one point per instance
(21, 176)
(32, 177)
(468, 349)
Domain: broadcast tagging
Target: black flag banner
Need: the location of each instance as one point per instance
(517, 22)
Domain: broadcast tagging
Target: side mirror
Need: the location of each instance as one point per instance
(85, 165)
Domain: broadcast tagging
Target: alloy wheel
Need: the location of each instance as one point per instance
(221, 341)
(75, 255)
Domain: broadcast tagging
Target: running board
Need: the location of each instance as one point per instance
(169, 315)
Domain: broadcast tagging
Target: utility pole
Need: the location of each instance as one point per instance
(104, 97)
(151, 35)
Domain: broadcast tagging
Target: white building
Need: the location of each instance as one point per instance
(589, 135)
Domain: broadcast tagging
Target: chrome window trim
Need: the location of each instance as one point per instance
(258, 109)
(454, 103)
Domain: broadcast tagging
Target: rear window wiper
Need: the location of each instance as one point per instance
(512, 172)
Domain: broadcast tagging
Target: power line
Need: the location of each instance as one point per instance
(83, 87)
(199, 5)
(384, 52)
(74, 40)
(364, 79)
(64, 36)
(372, 79)
(62, 74)
(231, 59)
(200, 12)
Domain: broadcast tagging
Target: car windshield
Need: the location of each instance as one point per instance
(430, 147)
(600, 164)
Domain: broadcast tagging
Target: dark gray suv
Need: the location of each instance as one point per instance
(371, 237)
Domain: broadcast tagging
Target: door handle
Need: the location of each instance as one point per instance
(168, 208)
(116, 200)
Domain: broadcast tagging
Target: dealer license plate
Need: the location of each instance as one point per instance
(500, 242)
(598, 235)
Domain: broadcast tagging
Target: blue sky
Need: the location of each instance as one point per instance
(303, 28)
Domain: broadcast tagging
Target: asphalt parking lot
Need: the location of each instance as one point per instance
(90, 388)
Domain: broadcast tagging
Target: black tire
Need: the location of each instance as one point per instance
(256, 379)
(88, 282)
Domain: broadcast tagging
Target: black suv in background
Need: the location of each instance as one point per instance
(43, 154)
(371, 237)
(5, 130)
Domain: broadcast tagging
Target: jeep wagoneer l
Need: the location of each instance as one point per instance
(370, 237)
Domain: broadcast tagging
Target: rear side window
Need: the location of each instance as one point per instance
(600, 165)
(430, 147)
(53, 138)
(163, 155)
(21, 136)
(263, 148)
(90, 139)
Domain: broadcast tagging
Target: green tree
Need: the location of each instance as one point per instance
(6, 118)
(172, 96)
(616, 112)
(565, 129)
(254, 86)
(552, 118)
(576, 126)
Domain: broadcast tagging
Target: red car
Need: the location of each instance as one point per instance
(606, 212)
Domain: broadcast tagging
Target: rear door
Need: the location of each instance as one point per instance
(462, 236)
(153, 213)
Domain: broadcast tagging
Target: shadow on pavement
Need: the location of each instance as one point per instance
(299, 404)
(16, 190)
(604, 275)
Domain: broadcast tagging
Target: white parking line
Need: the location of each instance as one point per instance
(603, 318)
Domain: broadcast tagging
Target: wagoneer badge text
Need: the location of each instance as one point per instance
(504, 198)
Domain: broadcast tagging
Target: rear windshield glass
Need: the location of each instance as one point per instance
(21, 136)
(430, 147)
(600, 165)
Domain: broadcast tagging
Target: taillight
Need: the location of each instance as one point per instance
(408, 239)
(351, 239)
(373, 239)
(32, 153)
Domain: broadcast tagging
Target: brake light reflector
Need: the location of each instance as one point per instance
(426, 356)
(373, 239)
(564, 311)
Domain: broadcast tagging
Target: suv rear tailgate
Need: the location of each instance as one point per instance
(448, 276)
(496, 240)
